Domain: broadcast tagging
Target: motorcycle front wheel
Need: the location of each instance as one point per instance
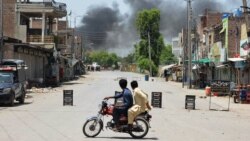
(140, 128)
(92, 128)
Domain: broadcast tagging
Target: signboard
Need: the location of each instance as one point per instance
(190, 102)
(156, 100)
(244, 41)
(220, 86)
(67, 97)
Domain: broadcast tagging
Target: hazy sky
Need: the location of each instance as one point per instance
(80, 7)
(110, 24)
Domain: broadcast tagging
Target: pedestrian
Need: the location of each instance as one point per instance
(141, 104)
(166, 74)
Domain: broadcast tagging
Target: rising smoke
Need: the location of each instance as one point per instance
(107, 28)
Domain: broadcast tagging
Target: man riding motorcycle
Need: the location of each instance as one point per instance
(141, 123)
(127, 101)
(141, 104)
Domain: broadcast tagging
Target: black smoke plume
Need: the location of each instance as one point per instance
(98, 23)
(107, 28)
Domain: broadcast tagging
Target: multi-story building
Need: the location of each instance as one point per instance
(23, 40)
(220, 42)
(176, 48)
(204, 28)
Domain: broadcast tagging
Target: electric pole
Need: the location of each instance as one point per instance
(1, 30)
(189, 7)
(245, 8)
(149, 53)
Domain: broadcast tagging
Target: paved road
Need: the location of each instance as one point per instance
(43, 118)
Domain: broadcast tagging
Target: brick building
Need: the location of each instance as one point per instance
(218, 46)
(35, 47)
(8, 21)
(204, 28)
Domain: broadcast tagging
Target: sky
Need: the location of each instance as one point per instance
(80, 7)
(110, 24)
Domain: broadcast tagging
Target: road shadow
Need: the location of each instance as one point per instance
(127, 138)
(71, 83)
(82, 76)
(5, 106)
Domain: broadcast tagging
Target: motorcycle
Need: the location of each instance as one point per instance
(93, 126)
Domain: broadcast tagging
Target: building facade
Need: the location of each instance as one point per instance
(25, 40)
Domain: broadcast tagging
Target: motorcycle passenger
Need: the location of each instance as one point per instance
(127, 101)
(141, 104)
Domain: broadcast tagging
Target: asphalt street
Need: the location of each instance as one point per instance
(44, 118)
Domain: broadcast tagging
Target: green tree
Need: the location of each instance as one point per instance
(148, 25)
(167, 57)
(103, 58)
(129, 59)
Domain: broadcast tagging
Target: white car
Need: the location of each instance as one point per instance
(95, 67)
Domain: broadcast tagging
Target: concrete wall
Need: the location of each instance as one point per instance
(35, 63)
(22, 33)
(8, 51)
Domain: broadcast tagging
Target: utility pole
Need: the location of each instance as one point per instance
(189, 7)
(1, 30)
(149, 53)
(245, 12)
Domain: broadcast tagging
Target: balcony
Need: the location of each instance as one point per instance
(38, 39)
(50, 7)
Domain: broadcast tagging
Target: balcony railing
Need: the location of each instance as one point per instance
(48, 3)
(38, 39)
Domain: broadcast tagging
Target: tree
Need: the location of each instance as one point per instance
(129, 59)
(167, 57)
(148, 25)
(103, 58)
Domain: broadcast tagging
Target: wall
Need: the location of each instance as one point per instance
(233, 40)
(9, 20)
(35, 63)
(8, 51)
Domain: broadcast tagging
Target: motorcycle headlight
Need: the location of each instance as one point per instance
(6, 90)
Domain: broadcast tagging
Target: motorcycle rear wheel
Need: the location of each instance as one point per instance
(142, 130)
(92, 126)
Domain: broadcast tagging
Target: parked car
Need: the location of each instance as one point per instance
(13, 82)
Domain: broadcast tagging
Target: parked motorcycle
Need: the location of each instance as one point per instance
(93, 126)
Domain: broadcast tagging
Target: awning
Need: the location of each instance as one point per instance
(167, 67)
(236, 59)
(204, 60)
(161, 71)
(193, 61)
